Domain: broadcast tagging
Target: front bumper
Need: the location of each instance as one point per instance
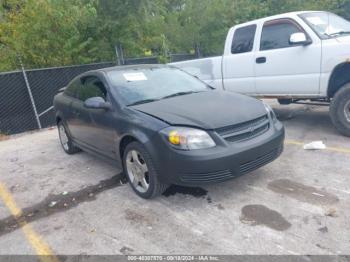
(218, 164)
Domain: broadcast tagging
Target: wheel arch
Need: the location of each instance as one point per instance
(140, 136)
(58, 119)
(124, 142)
(339, 77)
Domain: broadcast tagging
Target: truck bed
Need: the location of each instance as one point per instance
(206, 69)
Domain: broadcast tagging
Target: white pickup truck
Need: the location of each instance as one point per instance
(292, 57)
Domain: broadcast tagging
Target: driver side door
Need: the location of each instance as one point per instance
(101, 133)
(282, 68)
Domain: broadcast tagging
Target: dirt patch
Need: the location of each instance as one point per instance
(126, 250)
(302, 192)
(4, 137)
(331, 212)
(261, 215)
(323, 229)
(220, 207)
(193, 191)
(137, 218)
(58, 203)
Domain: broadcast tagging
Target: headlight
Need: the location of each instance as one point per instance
(186, 138)
(271, 112)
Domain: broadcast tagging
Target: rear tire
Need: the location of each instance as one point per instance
(140, 171)
(66, 141)
(340, 110)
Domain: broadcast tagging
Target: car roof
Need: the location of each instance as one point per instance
(121, 68)
(130, 67)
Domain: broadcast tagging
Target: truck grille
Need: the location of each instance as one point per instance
(246, 130)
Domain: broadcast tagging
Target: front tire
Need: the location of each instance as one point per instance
(340, 110)
(66, 141)
(140, 171)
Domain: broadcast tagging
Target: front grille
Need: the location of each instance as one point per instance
(207, 177)
(261, 161)
(246, 130)
(223, 175)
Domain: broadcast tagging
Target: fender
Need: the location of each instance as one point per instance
(340, 76)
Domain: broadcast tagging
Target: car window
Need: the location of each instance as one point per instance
(72, 88)
(92, 87)
(243, 39)
(276, 34)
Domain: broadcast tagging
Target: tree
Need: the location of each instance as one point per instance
(46, 33)
(63, 32)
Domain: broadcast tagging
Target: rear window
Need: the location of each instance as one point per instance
(73, 88)
(243, 39)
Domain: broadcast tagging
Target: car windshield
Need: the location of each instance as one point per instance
(137, 86)
(327, 25)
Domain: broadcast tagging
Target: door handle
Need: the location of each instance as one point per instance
(261, 60)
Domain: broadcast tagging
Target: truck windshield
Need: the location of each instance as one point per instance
(145, 85)
(327, 25)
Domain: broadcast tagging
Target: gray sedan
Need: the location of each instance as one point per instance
(163, 126)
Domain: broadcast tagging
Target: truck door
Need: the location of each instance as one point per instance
(239, 60)
(283, 68)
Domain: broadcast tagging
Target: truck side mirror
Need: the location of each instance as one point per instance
(299, 39)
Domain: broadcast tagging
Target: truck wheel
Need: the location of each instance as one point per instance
(340, 110)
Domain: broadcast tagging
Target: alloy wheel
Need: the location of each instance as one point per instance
(63, 137)
(137, 170)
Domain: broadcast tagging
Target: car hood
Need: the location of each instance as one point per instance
(207, 110)
(343, 39)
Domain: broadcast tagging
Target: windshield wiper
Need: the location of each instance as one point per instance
(180, 94)
(165, 97)
(143, 102)
(339, 33)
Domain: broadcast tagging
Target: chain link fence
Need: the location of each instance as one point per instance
(182, 57)
(26, 96)
(16, 111)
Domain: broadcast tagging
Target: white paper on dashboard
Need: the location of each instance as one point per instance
(139, 76)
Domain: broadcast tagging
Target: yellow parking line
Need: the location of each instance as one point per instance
(334, 149)
(41, 248)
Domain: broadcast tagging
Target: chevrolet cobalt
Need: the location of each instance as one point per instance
(163, 126)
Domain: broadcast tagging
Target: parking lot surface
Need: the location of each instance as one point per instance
(51, 202)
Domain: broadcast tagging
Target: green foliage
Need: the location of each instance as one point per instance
(47, 32)
(62, 32)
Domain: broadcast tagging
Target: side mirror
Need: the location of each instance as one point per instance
(299, 39)
(97, 103)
